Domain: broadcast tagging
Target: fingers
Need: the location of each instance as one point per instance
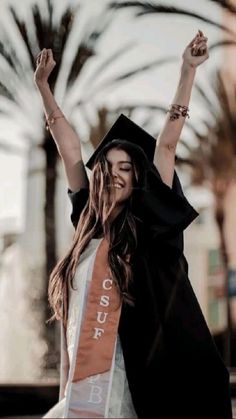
(199, 47)
(41, 57)
(38, 58)
(199, 41)
(193, 41)
(50, 55)
(51, 58)
(199, 37)
(199, 51)
(45, 57)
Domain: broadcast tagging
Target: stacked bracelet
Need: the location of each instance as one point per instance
(178, 110)
(50, 120)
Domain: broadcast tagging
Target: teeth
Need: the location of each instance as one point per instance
(116, 185)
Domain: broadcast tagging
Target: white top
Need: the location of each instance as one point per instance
(85, 261)
(120, 405)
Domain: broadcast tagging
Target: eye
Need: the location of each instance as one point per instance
(126, 169)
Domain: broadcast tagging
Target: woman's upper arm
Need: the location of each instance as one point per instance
(76, 173)
(78, 200)
(164, 160)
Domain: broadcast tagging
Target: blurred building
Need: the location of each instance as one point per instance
(206, 273)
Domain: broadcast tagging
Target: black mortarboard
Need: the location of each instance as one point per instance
(125, 129)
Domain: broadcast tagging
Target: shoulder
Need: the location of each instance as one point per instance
(78, 200)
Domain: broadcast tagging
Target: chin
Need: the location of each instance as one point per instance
(122, 200)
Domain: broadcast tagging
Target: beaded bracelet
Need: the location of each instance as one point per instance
(178, 110)
(50, 120)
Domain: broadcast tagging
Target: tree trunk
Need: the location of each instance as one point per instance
(51, 329)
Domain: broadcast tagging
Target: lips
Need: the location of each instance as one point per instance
(118, 185)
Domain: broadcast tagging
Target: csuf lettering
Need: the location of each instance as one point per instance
(102, 315)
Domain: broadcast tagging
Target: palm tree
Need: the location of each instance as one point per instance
(144, 7)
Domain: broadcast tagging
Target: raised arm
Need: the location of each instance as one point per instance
(164, 158)
(66, 139)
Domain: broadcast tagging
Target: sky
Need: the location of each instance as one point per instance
(152, 37)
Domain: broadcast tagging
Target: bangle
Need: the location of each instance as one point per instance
(178, 110)
(50, 120)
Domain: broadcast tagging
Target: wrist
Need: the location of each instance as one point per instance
(188, 68)
(42, 85)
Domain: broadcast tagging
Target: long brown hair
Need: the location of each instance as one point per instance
(94, 221)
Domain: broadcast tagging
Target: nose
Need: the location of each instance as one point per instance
(115, 176)
(114, 172)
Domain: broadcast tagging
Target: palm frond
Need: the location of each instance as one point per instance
(128, 74)
(11, 149)
(95, 30)
(146, 7)
(22, 29)
(223, 43)
(5, 91)
(225, 4)
(226, 125)
(203, 94)
(81, 57)
(134, 107)
(100, 68)
(215, 156)
(211, 108)
(11, 58)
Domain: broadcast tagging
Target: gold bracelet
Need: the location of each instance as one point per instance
(176, 111)
(51, 119)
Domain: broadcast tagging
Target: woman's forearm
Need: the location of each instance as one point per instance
(184, 89)
(65, 137)
(171, 131)
(194, 55)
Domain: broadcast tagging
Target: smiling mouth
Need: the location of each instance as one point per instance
(117, 185)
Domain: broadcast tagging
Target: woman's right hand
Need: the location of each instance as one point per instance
(45, 63)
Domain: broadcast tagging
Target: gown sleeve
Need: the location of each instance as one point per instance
(78, 200)
(164, 211)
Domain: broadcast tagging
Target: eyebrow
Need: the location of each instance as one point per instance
(122, 161)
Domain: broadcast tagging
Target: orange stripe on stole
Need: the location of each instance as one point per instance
(100, 321)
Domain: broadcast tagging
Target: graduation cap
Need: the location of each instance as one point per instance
(125, 129)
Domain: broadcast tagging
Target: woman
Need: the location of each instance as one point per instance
(134, 340)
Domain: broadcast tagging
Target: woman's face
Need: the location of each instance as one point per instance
(122, 173)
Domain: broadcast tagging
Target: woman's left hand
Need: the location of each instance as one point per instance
(196, 52)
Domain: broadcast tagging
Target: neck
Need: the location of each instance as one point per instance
(118, 208)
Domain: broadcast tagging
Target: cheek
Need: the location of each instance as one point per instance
(129, 180)
(129, 185)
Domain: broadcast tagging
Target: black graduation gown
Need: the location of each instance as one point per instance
(173, 367)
